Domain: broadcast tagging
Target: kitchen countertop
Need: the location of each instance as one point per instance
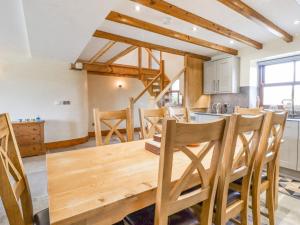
(215, 114)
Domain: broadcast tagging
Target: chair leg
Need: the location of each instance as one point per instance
(221, 203)
(256, 204)
(276, 185)
(244, 215)
(270, 195)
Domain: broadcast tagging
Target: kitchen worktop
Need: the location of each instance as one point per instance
(297, 119)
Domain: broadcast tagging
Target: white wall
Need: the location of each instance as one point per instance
(274, 49)
(104, 94)
(29, 87)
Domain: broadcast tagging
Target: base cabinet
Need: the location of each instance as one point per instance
(289, 148)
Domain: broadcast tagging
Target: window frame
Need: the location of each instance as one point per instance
(262, 84)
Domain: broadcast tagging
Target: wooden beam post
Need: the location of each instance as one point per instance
(162, 74)
(149, 59)
(140, 63)
(131, 118)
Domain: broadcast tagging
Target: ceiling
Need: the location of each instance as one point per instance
(56, 29)
(62, 30)
(282, 12)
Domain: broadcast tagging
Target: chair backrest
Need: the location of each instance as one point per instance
(271, 138)
(107, 118)
(151, 121)
(248, 111)
(203, 168)
(180, 114)
(14, 188)
(240, 156)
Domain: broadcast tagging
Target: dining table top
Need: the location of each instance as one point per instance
(101, 185)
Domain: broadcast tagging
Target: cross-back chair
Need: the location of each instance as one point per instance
(180, 114)
(151, 121)
(198, 180)
(112, 120)
(14, 188)
(268, 154)
(248, 111)
(238, 164)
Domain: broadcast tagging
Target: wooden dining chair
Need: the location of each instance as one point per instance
(238, 164)
(151, 121)
(196, 183)
(14, 188)
(248, 111)
(257, 111)
(267, 157)
(180, 114)
(107, 118)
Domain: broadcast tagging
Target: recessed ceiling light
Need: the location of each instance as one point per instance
(297, 22)
(231, 42)
(194, 28)
(137, 8)
(167, 20)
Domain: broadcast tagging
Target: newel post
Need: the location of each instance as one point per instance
(162, 74)
(131, 119)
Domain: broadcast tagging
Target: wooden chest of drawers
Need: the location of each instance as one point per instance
(30, 138)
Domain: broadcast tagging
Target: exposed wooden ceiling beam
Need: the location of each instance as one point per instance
(182, 14)
(118, 38)
(121, 54)
(245, 10)
(102, 51)
(130, 21)
(117, 70)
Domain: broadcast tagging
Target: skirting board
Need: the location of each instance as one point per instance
(66, 143)
(105, 132)
(78, 141)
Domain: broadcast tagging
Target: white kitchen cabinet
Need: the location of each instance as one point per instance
(298, 164)
(222, 76)
(289, 148)
(210, 77)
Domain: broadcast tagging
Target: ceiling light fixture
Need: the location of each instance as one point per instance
(167, 20)
(194, 28)
(137, 8)
(231, 42)
(297, 22)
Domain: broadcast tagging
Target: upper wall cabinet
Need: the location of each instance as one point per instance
(222, 76)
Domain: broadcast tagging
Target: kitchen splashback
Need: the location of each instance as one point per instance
(246, 98)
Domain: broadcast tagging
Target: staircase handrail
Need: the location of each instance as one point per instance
(166, 89)
(147, 87)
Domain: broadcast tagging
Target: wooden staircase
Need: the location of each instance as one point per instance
(155, 88)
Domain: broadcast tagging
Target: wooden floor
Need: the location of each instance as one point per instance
(288, 212)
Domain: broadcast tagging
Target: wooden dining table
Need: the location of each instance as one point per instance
(101, 185)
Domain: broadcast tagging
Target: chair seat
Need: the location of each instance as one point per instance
(146, 217)
(264, 177)
(233, 196)
(42, 217)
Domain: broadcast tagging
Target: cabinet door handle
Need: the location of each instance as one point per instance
(214, 85)
(218, 85)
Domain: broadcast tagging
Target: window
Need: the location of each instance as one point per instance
(175, 95)
(280, 83)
